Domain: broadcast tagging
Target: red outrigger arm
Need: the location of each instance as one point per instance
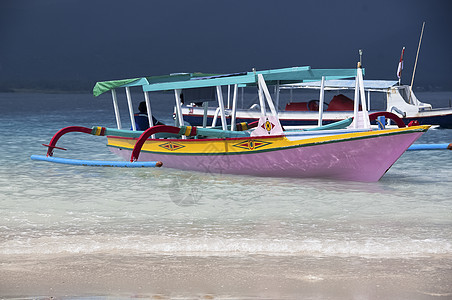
(187, 130)
(388, 115)
(61, 132)
(101, 131)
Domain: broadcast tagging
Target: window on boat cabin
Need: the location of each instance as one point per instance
(404, 94)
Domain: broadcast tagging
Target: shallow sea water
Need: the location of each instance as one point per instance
(88, 232)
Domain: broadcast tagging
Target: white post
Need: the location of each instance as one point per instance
(224, 125)
(263, 87)
(115, 106)
(366, 121)
(148, 108)
(277, 95)
(215, 117)
(243, 89)
(234, 108)
(356, 102)
(229, 97)
(261, 99)
(321, 99)
(179, 117)
(129, 101)
(368, 100)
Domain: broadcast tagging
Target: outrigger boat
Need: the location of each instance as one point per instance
(399, 99)
(345, 150)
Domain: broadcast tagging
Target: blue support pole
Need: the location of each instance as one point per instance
(381, 121)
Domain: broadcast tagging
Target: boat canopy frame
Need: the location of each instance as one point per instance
(342, 84)
(260, 79)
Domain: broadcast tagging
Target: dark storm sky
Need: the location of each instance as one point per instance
(102, 40)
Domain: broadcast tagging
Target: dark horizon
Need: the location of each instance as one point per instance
(52, 44)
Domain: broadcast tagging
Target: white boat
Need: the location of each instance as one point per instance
(399, 100)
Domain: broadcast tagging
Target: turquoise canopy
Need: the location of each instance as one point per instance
(199, 80)
(105, 86)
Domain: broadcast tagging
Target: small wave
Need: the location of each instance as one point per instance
(206, 246)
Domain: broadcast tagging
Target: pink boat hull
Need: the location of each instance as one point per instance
(364, 160)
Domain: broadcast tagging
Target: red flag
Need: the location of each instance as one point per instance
(400, 68)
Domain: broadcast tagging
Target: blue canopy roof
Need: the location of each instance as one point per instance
(199, 80)
(281, 76)
(347, 84)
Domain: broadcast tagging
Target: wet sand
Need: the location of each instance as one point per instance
(216, 277)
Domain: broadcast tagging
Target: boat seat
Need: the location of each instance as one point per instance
(142, 122)
(312, 105)
(341, 103)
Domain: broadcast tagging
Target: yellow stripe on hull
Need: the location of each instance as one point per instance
(250, 144)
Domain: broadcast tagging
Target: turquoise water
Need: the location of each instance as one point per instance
(59, 212)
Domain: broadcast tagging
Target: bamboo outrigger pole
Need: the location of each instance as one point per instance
(415, 62)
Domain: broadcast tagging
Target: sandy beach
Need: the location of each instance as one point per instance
(103, 233)
(252, 277)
